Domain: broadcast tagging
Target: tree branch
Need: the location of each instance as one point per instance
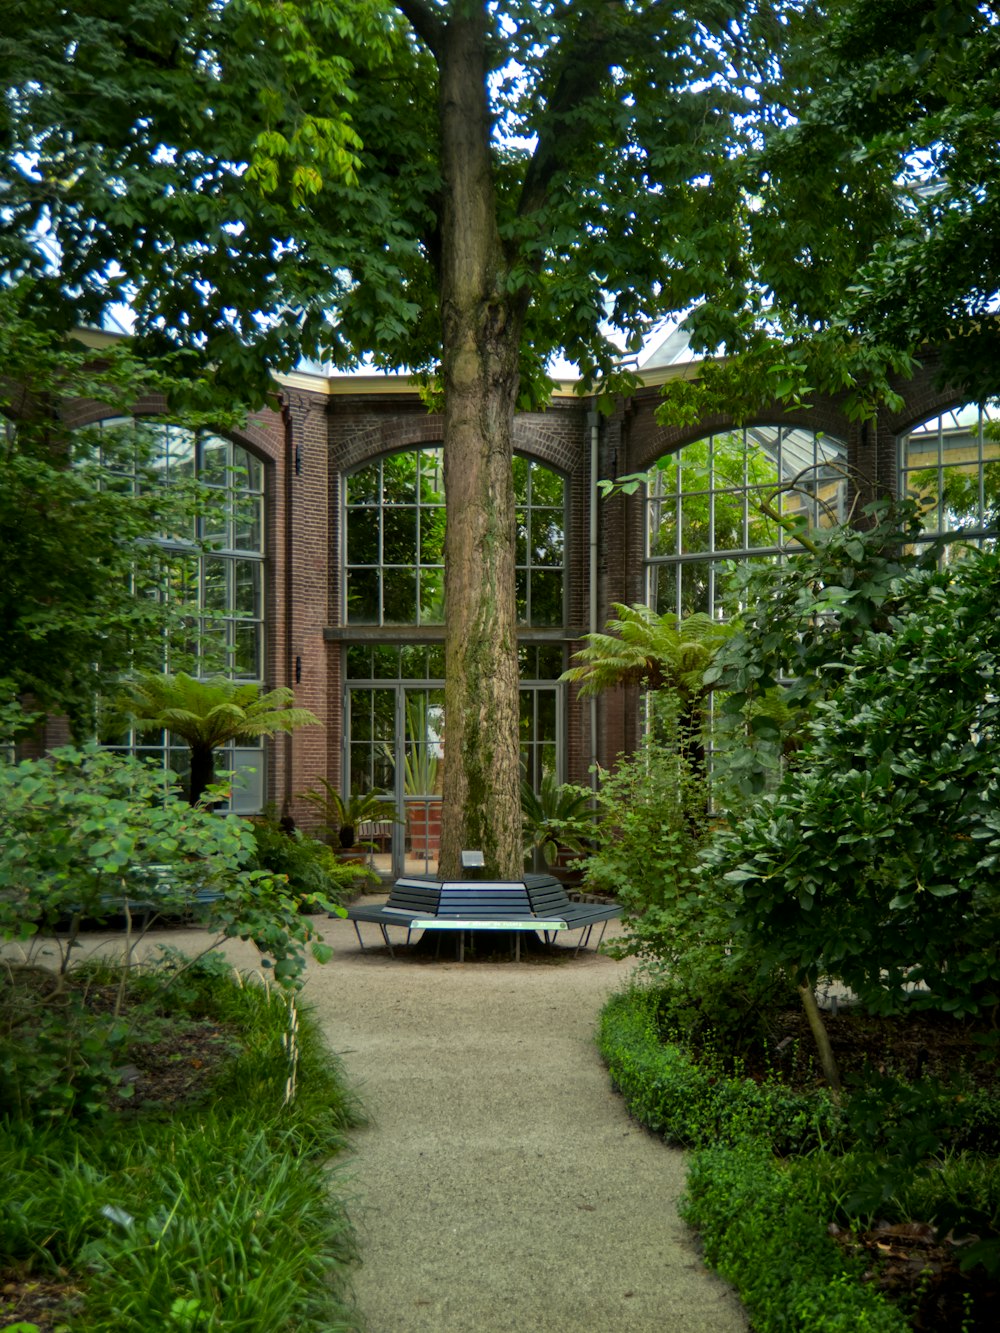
(425, 21)
(587, 59)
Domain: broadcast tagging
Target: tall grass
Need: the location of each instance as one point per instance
(227, 1216)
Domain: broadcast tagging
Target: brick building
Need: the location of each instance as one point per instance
(328, 576)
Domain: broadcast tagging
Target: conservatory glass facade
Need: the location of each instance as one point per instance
(221, 581)
(729, 497)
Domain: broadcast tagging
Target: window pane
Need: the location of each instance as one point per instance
(399, 596)
(246, 592)
(359, 662)
(362, 537)
(246, 663)
(363, 596)
(216, 589)
(546, 598)
(547, 537)
(247, 523)
(363, 488)
(399, 538)
(432, 597)
(214, 460)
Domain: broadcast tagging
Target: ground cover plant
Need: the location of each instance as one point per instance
(197, 1194)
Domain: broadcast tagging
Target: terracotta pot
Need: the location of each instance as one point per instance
(423, 822)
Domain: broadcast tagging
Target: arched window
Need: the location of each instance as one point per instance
(720, 499)
(222, 582)
(394, 541)
(951, 464)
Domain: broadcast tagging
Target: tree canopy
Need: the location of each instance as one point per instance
(876, 211)
(263, 182)
(457, 188)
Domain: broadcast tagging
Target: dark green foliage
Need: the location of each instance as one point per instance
(558, 818)
(218, 1215)
(765, 1229)
(890, 1149)
(309, 866)
(341, 815)
(695, 1099)
(207, 714)
(876, 859)
(876, 212)
(801, 619)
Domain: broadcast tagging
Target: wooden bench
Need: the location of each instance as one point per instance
(538, 903)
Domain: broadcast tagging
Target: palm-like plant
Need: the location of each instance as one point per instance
(207, 714)
(343, 814)
(558, 816)
(657, 652)
(651, 650)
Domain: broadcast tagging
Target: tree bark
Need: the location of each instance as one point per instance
(821, 1037)
(481, 330)
(202, 772)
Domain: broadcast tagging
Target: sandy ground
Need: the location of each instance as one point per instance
(501, 1184)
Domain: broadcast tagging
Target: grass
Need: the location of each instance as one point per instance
(221, 1215)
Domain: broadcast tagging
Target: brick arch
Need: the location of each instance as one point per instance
(360, 435)
(371, 438)
(926, 409)
(253, 436)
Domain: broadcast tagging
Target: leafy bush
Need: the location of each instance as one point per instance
(876, 860)
(89, 835)
(798, 619)
(764, 1227)
(310, 866)
(652, 823)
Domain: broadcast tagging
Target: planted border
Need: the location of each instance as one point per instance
(761, 1227)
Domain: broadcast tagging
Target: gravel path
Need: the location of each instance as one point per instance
(501, 1184)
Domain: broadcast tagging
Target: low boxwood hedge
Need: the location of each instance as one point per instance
(762, 1224)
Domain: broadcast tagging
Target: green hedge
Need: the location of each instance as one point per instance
(695, 1103)
(763, 1228)
(763, 1223)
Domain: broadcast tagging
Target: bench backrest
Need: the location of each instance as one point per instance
(487, 900)
(546, 895)
(415, 895)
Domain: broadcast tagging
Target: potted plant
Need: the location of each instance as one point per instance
(557, 821)
(343, 814)
(421, 781)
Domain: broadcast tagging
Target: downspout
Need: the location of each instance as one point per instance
(595, 440)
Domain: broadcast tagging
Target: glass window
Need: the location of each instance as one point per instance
(718, 499)
(951, 465)
(394, 550)
(222, 584)
(394, 542)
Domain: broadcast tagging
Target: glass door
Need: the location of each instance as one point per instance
(395, 747)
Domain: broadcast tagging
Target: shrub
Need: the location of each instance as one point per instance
(89, 835)
(764, 1227)
(310, 866)
(693, 1100)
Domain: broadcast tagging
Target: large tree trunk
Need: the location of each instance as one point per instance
(202, 772)
(481, 326)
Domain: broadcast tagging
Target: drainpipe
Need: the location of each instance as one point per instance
(595, 439)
